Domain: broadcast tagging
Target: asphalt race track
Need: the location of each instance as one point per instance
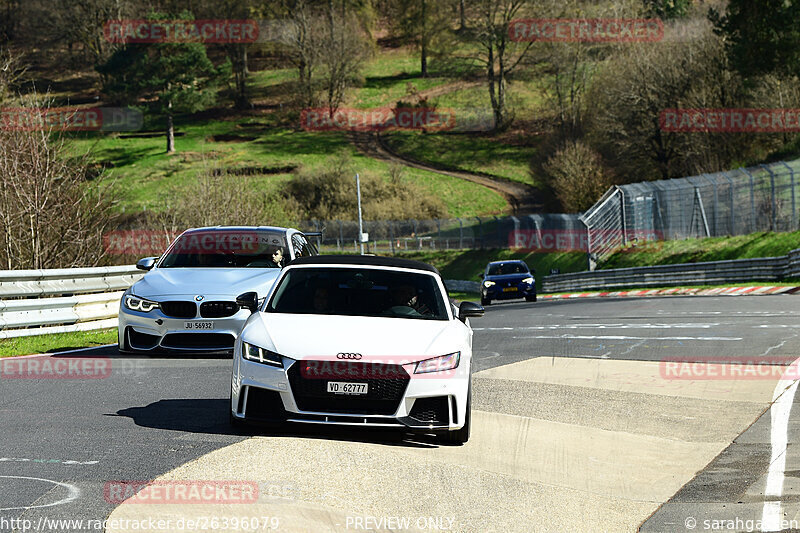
(580, 424)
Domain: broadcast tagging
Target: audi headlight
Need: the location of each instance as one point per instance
(257, 354)
(529, 281)
(140, 304)
(488, 284)
(438, 364)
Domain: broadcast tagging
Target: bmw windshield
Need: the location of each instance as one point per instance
(227, 249)
(359, 292)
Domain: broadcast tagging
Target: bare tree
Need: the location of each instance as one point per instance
(341, 57)
(636, 85)
(51, 216)
(498, 54)
(11, 72)
(302, 42)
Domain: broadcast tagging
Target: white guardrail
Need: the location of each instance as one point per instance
(38, 302)
(707, 273)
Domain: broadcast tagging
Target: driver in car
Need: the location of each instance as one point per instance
(403, 299)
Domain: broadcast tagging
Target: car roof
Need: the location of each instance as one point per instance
(507, 261)
(367, 260)
(239, 228)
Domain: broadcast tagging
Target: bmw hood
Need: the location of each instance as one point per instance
(309, 336)
(219, 282)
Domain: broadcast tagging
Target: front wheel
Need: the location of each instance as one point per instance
(530, 298)
(460, 436)
(485, 301)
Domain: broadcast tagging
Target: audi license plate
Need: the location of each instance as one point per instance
(510, 289)
(343, 387)
(198, 325)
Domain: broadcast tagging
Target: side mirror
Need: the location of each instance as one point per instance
(146, 263)
(469, 310)
(480, 275)
(248, 300)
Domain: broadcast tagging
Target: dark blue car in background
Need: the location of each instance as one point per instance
(506, 280)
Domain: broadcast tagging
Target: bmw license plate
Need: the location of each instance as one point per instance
(510, 289)
(343, 387)
(198, 325)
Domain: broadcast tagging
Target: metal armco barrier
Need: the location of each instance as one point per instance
(709, 273)
(37, 302)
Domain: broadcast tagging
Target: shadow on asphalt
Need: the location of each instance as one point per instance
(113, 351)
(210, 417)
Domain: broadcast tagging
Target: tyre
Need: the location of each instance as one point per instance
(485, 301)
(235, 422)
(530, 298)
(461, 436)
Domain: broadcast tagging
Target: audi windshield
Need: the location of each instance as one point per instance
(359, 292)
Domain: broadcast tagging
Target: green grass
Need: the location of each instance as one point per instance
(710, 249)
(56, 342)
(471, 152)
(145, 174)
(464, 296)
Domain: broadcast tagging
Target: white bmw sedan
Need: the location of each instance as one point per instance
(187, 300)
(356, 341)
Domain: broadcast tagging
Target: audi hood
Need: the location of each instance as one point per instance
(167, 282)
(327, 335)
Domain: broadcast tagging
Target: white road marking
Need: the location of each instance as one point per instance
(782, 398)
(604, 326)
(73, 493)
(625, 338)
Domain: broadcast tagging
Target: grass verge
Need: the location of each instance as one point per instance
(56, 342)
(765, 244)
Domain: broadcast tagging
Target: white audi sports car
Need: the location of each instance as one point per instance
(356, 341)
(187, 300)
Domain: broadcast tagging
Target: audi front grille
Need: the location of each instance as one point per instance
(383, 393)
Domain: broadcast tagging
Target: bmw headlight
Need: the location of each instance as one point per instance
(257, 354)
(529, 281)
(140, 304)
(438, 364)
(488, 284)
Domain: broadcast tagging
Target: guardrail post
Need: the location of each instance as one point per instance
(794, 201)
(391, 236)
(341, 234)
(731, 209)
(774, 224)
(480, 232)
(624, 224)
(752, 200)
(716, 203)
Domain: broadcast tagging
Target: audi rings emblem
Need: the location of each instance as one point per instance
(354, 356)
